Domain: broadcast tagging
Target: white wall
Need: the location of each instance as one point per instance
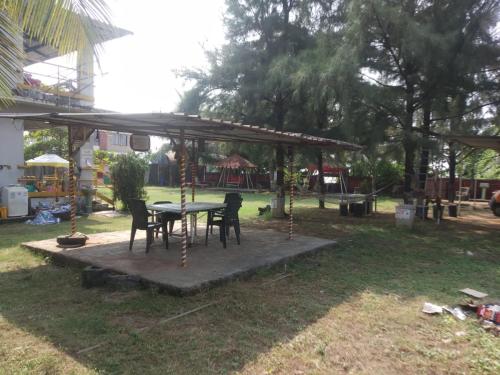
(11, 150)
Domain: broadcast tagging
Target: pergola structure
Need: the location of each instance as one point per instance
(239, 164)
(179, 128)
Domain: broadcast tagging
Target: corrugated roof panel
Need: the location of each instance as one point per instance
(170, 125)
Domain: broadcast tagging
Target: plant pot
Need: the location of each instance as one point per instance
(359, 209)
(369, 207)
(405, 215)
(436, 210)
(344, 209)
(422, 212)
(277, 207)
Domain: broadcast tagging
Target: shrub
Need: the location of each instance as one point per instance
(128, 172)
(388, 173)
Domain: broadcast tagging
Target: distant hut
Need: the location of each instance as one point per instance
(163, 169)
(235, 172)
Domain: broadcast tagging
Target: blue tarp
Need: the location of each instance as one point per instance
(49, 216)
(43, 218)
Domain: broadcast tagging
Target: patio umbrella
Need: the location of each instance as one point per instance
(48, 160)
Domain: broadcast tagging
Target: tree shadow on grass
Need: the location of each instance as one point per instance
(251, 317)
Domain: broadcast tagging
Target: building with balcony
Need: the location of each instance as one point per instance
(48, 87)
(116, 142)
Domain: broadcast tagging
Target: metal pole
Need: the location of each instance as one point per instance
(292, 185)
(475, 188)
(194, 173)
(459, 192)
(182, 167)
(221, 173)
(72, 190)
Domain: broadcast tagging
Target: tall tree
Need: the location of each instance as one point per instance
(388, 36)
(459, 77)
(250, 78)
(411, 49)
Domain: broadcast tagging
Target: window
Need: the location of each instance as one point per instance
(118, 139)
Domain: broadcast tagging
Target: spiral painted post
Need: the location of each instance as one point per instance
(72, 189)
(292, 186)
(182, 168)
(194, 173)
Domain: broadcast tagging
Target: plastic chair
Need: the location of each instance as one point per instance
(140, 220)
(226, 218)
(168, 217)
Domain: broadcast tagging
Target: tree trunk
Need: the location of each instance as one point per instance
(279, 113)
(452, 162)
(459, 104)
(280, 175)
(271, 174)
(424, 154)
(408, 144)
(321, 181)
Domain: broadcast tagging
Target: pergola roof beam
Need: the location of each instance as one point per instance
(171, 125)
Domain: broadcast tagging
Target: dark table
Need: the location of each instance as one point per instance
(192, 209)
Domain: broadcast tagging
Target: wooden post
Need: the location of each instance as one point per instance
(182, 167)
(72, 188)
(292, 186)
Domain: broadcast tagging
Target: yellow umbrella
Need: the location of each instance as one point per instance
(48, 160)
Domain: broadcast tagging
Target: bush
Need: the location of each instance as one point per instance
(388, 173)
(128, 172)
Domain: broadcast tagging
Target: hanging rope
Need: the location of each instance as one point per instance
(72, 190)
(292, 185)
(182, 167)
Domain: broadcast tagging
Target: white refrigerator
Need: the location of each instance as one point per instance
(15, 198)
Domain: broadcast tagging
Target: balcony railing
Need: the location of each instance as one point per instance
(54, 84)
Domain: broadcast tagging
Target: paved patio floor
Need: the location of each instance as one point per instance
(207, 266)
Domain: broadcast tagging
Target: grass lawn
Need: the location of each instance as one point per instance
(352, 309)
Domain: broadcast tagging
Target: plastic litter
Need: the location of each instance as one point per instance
(473, 293)
(62, 209)
(430, 308)
(456, 312)
(43, 218)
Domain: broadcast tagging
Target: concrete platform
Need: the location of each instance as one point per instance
(207, 265)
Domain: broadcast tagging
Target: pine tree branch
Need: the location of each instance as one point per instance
(381, 83)
(388, 46)
(466, 112)
(385, 109)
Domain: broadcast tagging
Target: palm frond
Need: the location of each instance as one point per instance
(67, 25)
(10, 57)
